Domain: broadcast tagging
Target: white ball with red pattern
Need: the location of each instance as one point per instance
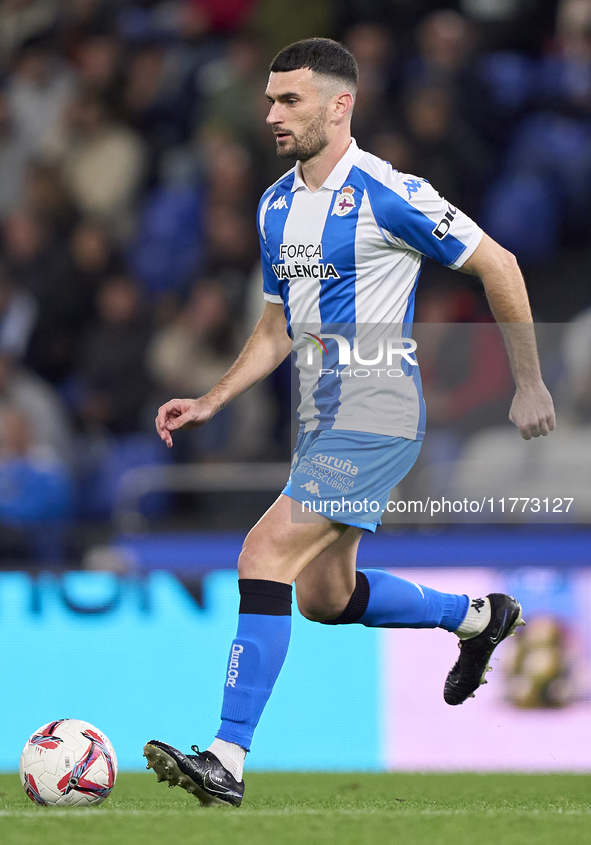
(68, 763)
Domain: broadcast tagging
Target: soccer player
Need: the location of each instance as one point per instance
(343, 237)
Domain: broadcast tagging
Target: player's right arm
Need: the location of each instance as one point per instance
(413, 215)
(265, 349)
(532, 410)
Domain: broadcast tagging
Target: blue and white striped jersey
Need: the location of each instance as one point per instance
(344, 262)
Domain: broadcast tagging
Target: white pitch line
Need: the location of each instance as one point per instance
(288, 811)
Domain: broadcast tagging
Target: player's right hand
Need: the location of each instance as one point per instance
(182, 414)
(532, 411)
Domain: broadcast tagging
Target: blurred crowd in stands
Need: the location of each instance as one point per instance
(133, 151)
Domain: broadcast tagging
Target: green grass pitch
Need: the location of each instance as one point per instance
(332, 809)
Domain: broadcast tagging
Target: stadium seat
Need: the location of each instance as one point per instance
(113, 457)
(510, 77)
(498, 463)
(558, 148)
(167, 249)
(522, 212)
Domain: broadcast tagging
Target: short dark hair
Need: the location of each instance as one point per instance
(321, 55)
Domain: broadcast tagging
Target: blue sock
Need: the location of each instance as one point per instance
(382, 600)
(256, 656)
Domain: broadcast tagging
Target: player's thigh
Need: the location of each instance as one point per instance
(278, 548)
(325, 586)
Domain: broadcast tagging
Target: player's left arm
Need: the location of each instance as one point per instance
(532, 410)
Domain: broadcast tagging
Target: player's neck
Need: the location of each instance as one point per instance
(317, 169)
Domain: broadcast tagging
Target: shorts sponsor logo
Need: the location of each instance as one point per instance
(311, 487)
(337, 463)
(234, 664)
(326, 469)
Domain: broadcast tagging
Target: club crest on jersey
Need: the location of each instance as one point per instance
(344, 202)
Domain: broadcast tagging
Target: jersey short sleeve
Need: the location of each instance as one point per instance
(411, 214)
(270, 281)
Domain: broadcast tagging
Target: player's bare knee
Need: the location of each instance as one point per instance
(258, 559)
(248, 561)
(319, 615)
(317, 610)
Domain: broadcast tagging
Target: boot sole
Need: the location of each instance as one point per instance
(167, 769)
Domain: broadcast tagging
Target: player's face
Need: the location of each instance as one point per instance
(298, 114)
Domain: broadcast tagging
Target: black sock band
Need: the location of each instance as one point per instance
(357, 603)
(267, 598)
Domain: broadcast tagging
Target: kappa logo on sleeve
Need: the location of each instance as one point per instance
(279, 203)
(412, 186)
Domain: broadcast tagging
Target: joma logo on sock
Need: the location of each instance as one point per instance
(233, 667)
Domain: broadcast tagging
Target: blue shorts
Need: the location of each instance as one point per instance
(347, 476)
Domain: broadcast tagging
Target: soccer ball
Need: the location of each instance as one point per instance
(68, 763)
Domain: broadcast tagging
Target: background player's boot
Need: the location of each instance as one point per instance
(468, 673)
(201, 774)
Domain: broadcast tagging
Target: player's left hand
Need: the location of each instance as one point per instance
(532, 411)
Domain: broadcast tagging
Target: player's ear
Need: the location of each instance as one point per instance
(343, 104)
